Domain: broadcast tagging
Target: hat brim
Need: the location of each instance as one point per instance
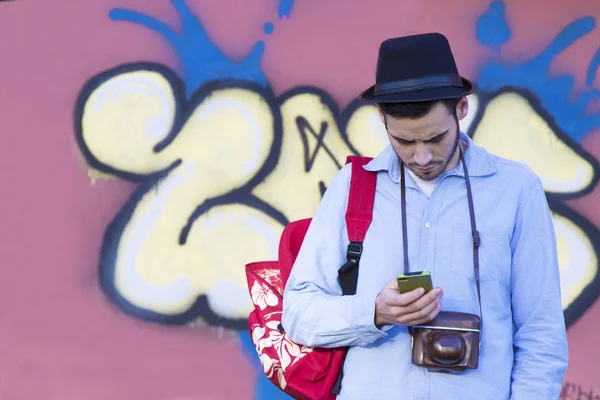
(439, 93)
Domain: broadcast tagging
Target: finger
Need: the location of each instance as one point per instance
(428, 318)
(426, 314)
(404, 299)
(422, 313)
(426, 300)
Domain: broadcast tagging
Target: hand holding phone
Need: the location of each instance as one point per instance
(413, 306)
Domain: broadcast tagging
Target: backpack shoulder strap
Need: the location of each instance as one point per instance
(359, 214)
(360, 199)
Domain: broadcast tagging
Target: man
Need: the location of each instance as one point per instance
(523, 353)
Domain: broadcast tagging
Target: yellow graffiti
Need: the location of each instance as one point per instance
(221, 146)
(125, 117)
(224, 143)
(576, 256)
(293, 187)
(366, 131)
(511, 128)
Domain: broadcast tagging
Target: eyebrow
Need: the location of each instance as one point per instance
(433, 139)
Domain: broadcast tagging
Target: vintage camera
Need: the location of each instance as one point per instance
(449, 343)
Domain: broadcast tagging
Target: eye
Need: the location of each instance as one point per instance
(436, 139)
(403, 142)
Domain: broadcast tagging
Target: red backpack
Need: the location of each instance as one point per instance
(305, 372)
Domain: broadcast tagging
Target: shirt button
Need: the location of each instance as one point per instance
(427, 225)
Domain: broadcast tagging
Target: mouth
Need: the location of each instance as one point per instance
(426, 170)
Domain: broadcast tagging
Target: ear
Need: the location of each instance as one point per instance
(381, 115)
(462, 108)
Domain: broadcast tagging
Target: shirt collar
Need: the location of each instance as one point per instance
(478, 160)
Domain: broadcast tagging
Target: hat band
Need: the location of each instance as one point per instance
(413, 84)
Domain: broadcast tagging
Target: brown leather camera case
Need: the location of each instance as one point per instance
(448, 343)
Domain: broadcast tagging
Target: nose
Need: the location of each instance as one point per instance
(423, 155)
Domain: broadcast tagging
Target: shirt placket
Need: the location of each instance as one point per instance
(427, 230)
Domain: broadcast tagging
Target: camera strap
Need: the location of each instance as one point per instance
(474, 232)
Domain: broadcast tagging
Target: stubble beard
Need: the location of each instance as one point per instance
(449, 160)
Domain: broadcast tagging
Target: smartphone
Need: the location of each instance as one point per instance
(412, 280)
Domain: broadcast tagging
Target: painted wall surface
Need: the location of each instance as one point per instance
(151, 149)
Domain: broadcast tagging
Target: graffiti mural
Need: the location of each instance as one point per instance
(222, 164)
(228, 168)
(205, 168)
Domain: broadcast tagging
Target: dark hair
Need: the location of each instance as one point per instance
(417, 109)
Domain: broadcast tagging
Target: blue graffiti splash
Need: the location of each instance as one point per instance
(268, 28)
(285, 8)
(591, 75)
(492, 28)
(200, 59)
(554, 93)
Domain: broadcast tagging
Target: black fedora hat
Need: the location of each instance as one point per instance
(416, 68)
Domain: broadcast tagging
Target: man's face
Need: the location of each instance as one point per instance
(428, 145)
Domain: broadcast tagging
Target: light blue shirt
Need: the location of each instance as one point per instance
(524, 348)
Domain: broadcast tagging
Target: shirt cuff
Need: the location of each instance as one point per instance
(363, 318)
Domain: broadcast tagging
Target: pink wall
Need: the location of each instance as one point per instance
(61, 337)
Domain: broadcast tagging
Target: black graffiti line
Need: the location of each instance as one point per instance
(238, 196)
(571, 391)
(322, 188)
(309, 160)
